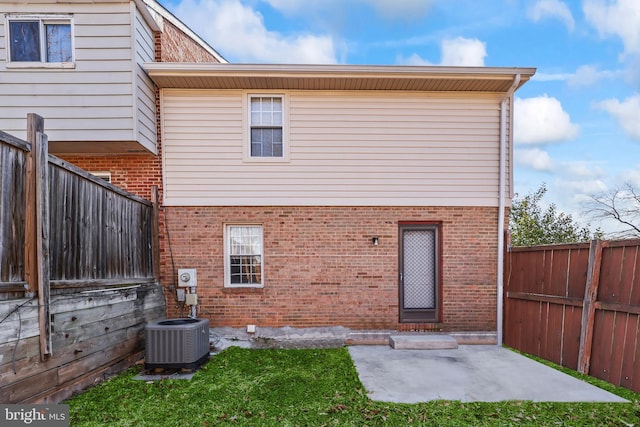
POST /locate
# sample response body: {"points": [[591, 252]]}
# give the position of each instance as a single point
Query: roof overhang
{"points": [[336, 77]]}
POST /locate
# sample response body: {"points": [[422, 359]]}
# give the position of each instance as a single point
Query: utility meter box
{"points": [[187, 277]]}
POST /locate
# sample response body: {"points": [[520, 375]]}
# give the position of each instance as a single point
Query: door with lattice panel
{"points": [[419, 273]]}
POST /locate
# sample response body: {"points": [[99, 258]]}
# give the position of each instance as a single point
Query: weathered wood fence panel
{"points": [[78, 274], [577, 305], [106, 232], [13, 178], [94, 334]]}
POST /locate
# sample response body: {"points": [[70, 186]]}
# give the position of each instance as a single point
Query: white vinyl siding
{"points": [[98, 100], [346, 149], [145, 89]]}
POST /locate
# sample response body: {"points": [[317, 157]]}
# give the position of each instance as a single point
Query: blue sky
{"points": [[577, 123]]}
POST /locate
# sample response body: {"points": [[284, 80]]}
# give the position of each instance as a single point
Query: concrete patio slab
{"points": [[471, 373], [422, 342]]}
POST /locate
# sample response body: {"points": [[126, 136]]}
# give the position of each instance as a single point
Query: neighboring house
{"points": [[360, 196], [79, 65]]}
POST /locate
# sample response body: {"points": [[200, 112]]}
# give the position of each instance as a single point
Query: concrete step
{"points": [[422, 342], [368, 338]]}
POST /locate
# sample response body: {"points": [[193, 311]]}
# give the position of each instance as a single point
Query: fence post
{"points": [[505, 288], [38, 240], [30, 234], [588, 307], [155, 233]]}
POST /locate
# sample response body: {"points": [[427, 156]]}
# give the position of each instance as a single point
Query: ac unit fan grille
{"points": [[176, 343]]}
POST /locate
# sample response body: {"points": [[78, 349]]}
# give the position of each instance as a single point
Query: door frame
{"points": [[420, 315]]}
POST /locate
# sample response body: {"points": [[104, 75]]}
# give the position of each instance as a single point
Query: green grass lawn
{"points": [[310, 388]]}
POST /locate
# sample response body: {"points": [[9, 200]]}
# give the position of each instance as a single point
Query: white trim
{"points": [[246, 127], [176, 200], [42, 18], [331, 70], [160, 10], [155, 24], [227, 266], [508, 99]]}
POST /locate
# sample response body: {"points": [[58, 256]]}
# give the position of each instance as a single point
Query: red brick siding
{"points": [[172, 45], [133, 173], [321, 268]]}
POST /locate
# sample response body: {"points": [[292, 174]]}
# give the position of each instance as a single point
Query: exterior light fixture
{"points": [[374, 240]]}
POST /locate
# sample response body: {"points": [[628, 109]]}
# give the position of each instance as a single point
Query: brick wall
{"points": [[133, 173], [321, 268], [172, 45]]}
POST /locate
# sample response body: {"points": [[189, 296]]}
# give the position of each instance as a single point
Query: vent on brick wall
{"points": [[102, 175], [176, 343], [420, 327]]}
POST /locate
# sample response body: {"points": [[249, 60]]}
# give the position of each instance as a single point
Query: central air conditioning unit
{"points": [[176, 343]]}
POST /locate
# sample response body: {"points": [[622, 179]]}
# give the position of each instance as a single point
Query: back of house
{"points": [[356, 196], [365, 197]]}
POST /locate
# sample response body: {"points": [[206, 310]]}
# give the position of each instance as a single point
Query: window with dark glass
{"points": [[40, 40], [244, 255], [266, 118]]}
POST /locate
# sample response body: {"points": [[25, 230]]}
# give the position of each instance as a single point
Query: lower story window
{"points": [[243, 255]]}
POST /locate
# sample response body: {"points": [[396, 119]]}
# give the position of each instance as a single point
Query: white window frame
{"points": [[246, 147], [42, 20], [102, 175], [227, 256]]}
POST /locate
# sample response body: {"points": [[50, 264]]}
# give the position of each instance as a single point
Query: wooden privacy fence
{"points": [[78, 272], [91, 232], [577, 305]]}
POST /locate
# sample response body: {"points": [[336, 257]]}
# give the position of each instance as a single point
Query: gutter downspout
{"points": [[501, 205]]}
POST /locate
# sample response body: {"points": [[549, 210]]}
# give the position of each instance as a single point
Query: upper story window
{"points": [[40, 40], [267, 127]]}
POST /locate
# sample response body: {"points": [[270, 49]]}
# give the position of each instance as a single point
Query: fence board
{"points": [[601, 350], [106, 233], [578, 265], [12, 209], [619, 338], [630, 267], [552, 335], [578, 307], [559, 273], [610, 273], [571, 337]]}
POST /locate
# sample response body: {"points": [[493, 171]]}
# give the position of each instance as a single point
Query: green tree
{"points": [[532, 225]]}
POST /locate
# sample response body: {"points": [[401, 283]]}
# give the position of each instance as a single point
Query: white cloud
{"points": [[542, 120], [575, 192], [401, 9], [619, 18], [454, 52], [534, 158], [583, 169], [414, 59], [240, 34], [627, 113], [463, 52], [587, 75], [551, 77], [388, 9], [632, 177], [552, 9]]}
